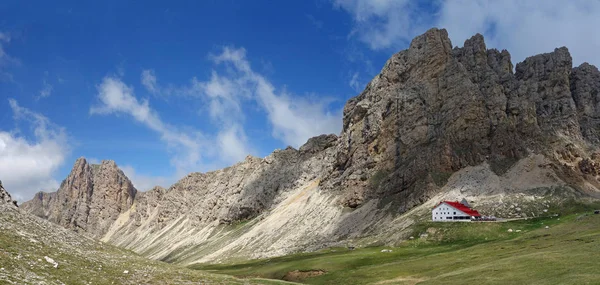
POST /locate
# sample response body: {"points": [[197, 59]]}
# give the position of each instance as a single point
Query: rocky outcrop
{"points": [[223, 197], [5, 197], [437, 123], [89, 200], [434, 110], [585, 88]]}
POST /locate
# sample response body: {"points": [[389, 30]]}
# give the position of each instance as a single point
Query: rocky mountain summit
{"points": [[5, 197], [89, 200], [438, 122]]}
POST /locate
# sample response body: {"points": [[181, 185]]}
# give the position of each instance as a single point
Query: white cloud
{"points": [[190, 149], [524, 28], [354, 84], [383, 24], [149, 80], [117, 98], [29, 164], [294, 119], [93, 160], [224, 97], [46, 89], [146, 182], [233, 143], [5, 58]]}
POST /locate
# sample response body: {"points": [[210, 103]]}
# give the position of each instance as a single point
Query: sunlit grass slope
{"points": [[567, 252]]}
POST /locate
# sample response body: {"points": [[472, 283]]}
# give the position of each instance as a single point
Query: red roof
{"points": [[457, 205]]}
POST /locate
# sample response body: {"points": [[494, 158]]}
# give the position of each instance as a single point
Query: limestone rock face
{"points": [[88, 200], [237, 193], [585, 88], [5, 197], [434, 110], [437, 123]]}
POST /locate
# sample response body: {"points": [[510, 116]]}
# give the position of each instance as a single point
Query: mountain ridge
{"points": [[437, 122]]}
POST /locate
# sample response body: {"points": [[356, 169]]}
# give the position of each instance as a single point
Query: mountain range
{"points": [[438, 123]]}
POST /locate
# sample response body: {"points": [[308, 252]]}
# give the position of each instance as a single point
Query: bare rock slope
{"points": [[36, 251], [438, 122]]}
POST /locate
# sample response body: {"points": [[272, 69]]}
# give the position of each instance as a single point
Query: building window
{"points": [[455, 213]]}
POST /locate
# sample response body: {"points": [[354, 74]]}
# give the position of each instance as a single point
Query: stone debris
{"points": [[51, 261], [386, 250]]}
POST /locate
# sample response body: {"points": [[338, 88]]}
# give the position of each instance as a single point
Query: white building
{"points": [[448, 211]]}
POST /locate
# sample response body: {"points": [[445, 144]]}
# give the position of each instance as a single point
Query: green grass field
{"points": [[455, 253]]}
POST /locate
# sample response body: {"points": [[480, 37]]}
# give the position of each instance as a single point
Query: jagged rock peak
{"points": [[433, 40], [585, 88], [5, 197], [108, 162], [319, 143], [89, 199], [437, 109], [541, 66]]}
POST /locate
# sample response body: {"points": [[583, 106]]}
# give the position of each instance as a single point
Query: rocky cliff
{"points": [[89, 200], [5, 197], [435, 109], [438, 122]]}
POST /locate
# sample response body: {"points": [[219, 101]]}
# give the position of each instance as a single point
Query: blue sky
{"points": [[165, 89]]}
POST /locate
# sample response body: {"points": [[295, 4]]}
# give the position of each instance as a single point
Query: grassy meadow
{"points": [[453, 253]]}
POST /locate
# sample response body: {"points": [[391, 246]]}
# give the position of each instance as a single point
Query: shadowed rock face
{"points": [[89, 200], [585, 88], [5, 197], [434, 110]]}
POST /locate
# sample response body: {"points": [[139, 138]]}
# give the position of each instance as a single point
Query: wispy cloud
{"points": [[524, 28], [317, 23], [146, 182], [47, 88], [383, 24], [117, 98], [294, 119], [354, 83], [149, 80], [29, 163], [190, 149], [5, 59]]}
